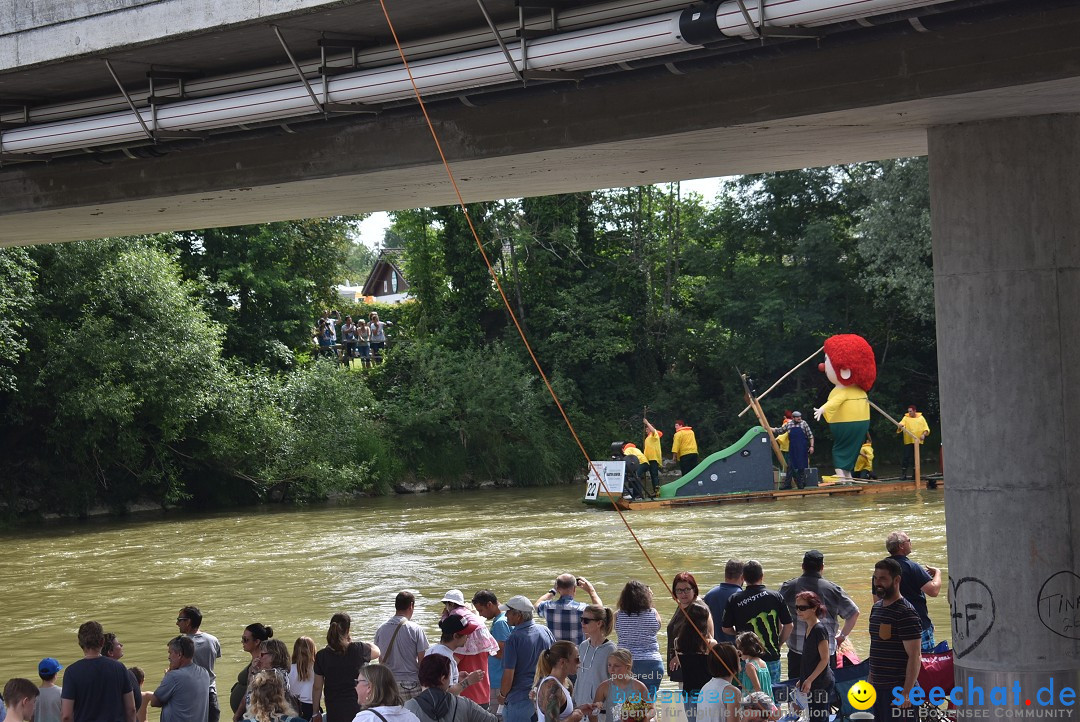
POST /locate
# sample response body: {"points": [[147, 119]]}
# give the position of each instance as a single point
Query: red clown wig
{"points": [[849, 351]]}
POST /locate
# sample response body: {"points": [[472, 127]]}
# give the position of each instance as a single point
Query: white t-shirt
{"points": [[301, 688], [712, 708], [449, 654]]}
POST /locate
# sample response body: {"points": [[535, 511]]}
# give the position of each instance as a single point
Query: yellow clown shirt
{"points": [[684, 442], [846, 403]]}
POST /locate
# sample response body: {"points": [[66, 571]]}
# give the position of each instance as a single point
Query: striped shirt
{"points": [[890, 625], [637, 633]]}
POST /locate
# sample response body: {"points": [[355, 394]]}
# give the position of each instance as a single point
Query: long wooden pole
{"points": [[916, 439], [801, 364]]}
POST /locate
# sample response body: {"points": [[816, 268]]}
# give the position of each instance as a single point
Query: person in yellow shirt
{"points": [[684, 447], [637, 484], [654, 454], [913, 426], [864, 465]]}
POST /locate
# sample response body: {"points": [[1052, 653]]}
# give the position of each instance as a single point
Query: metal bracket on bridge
{"points": [[526, 34], [21, 104], [180, 76], [501, 42], [153, 133], [762, 33], [324, 106]]}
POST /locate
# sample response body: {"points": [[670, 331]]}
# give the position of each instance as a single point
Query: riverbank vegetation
{"points": [[177, 368]]}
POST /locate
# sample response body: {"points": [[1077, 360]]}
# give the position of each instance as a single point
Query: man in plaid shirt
{"points": [[561, 612]]}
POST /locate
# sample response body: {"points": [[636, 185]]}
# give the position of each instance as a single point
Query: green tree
{"points": [[267, 284], [124, 360], [17, 276], [894, 234]]}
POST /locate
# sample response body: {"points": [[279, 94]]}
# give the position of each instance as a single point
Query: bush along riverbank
{"points": [[177, 369]]}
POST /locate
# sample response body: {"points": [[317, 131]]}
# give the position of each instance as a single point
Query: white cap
{"points": [[518, 604], [455, 596]]}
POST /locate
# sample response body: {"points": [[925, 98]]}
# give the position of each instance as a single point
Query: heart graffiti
{"points": [[972, 611]]}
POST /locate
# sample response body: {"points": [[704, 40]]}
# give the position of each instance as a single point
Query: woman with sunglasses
{"points": [[254, 634], [553, 670], [816, 679], [594, 650], [684, 590]]}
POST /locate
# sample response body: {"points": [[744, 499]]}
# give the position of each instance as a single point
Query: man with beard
{"points": [[895, 633]]}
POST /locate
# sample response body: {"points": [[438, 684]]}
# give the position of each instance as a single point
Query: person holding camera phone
{"points": [[561, 612]]}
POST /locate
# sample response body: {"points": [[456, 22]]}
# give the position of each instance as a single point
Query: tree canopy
{"points": [[179, 368]]}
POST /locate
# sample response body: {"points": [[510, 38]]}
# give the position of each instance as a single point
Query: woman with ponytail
{"points": [[553, 669], [596, 623], [337, 666]]}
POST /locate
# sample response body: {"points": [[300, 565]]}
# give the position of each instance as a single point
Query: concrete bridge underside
{"points": [[863, 95], [994, 100]]}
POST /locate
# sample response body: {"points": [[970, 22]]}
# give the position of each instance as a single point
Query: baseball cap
{"points": [[813, 556], [48, 666], [518, 604], [455, 596], [457, 624]]}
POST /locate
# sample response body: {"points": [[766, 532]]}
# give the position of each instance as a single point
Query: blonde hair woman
{"points": [[379, 697], [302, 673], [267, 702], [623, 695], [594, 650], [553, 669]]}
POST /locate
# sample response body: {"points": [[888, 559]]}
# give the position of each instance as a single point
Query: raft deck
{"points": [[826, 489]]}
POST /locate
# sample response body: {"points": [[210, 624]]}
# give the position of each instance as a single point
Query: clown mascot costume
{"points": [[850, 366]]}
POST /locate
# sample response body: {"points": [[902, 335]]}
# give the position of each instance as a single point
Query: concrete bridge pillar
{"points": [[1005, 201]]}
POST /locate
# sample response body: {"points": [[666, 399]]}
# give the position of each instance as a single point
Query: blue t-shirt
{"points": [[524, 646], [97, 686], [716, 599], [500, 630], [913, 579]]}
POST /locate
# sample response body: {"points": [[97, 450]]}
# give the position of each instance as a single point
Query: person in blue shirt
{"points": [[717, 597], [526, 643]]}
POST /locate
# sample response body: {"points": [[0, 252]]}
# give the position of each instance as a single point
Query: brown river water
{"points": [[293, 568]]}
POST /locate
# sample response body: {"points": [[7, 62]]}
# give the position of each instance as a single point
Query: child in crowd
{"points": [[754, 672], [621, 696], [47, 708], [20, 696]]}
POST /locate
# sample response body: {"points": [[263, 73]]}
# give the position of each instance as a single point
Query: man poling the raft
{"points": [[850, 366]]}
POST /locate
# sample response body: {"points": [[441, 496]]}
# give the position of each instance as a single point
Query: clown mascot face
{"points": [[849, 364]]}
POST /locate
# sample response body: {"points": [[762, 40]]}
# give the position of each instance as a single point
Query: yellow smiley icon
{"points": [[862, 695]]}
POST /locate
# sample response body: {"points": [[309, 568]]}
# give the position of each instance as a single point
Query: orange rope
{"points": [[513, 316]]}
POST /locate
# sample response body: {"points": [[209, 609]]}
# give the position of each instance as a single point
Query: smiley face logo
{"points": [[861, 695]]}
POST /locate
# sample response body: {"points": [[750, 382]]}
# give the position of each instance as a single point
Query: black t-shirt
{"points": [[339, 673], [890, 625], [811, 658], [98, 687], [762, 611]]}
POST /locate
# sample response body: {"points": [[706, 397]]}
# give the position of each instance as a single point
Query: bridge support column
{"points": [[1005, 201]]}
